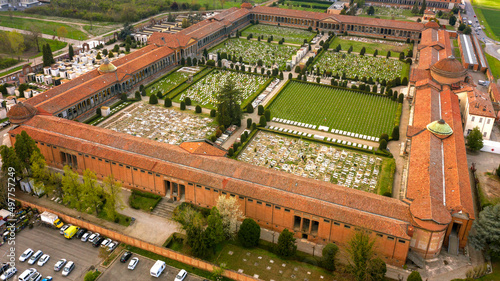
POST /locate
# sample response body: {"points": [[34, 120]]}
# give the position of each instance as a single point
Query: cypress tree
{"points": [[71, 52]]}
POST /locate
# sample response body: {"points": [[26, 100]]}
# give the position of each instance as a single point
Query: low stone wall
{"points": [[141, 244]]}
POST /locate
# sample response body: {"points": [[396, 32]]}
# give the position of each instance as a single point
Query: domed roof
{"points": [[440, 127], [106, 66], [448, 71], [21, 112]]}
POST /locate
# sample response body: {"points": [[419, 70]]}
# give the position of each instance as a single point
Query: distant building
{"points": [[4, 4], [477, 111], [337, 7], [28, 3], [438, 4]]}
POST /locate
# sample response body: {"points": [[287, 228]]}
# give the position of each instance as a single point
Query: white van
{"points": [[157, 268], [27, 274]]}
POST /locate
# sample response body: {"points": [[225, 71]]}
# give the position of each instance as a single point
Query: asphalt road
{"points": [[54, 244], [470, 15]]}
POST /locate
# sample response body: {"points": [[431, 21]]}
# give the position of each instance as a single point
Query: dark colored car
{"points": [[98, 241], [125, 256], [80, 233], [4, 268]]}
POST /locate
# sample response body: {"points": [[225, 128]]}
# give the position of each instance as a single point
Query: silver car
{"points": [[63, 228], [59, 264], [86, 236]]}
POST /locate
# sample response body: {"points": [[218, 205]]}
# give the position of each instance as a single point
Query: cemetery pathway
{"points": [[324, 134]]}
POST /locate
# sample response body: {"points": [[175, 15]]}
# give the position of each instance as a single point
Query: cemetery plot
{"points": [[291, 35], [361, 66], [272, 55], [313, 160], [341, 109], [370, 44], [204, 92], [173, 79], [161, 124]]}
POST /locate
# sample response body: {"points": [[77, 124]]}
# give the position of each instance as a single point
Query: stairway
{"points": [[453, 243], [416, 259], [165, 208]]}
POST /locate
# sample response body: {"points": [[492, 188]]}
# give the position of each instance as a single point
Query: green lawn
{"points": [[335, 108], [495, 276], [11, 71], [384, 184], [494, 65], [306, 6], [8, 62], [167, 83], [44, 26], [388, 13], [495, 4], [382, 48], [54, 46], [489, 18], [177, 90], [143, 200], [291, 35], [120, 218]]}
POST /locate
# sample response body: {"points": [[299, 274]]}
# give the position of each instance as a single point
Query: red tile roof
{"points": [[494, 90], [202, 148], [480, 104]]}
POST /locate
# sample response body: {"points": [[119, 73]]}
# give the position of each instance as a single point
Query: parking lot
{"points": [[54, 244], [119, 271]]}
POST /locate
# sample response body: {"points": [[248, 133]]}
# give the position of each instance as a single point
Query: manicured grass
{"points": [[495, 4], [55, 45], [335, 108], [384, 184], [292, 5], [143, 200], [494, 65], [44, 26], [122, 219], [177, 90], [383, 47], [291, 35], [11, 71], [489, 18], [167, 83], [495, 276]]}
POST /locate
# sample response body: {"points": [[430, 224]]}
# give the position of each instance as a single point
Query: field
{"points": [[45, 27], [494, 4], [362, 66], [315, 160], [489, 18], [291, 35], [306, 6], [170, 81], [382, 46], [494, 65], [340, 109], [251, 51], [205, 90]]}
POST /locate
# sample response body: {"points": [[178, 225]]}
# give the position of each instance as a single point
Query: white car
{"points": [[8, 273], [112, 246], [43, 260], [133, 263], [105, 242], [86, 236], [94, 237], [35, 257], [26, 255], [182, 274], [68, 268], [59, 264]]}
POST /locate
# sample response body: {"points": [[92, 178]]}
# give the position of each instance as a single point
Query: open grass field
{"points": [[489, 18], [335, 108], [45, 27], [494, 65], [370, 45], [495, 4], [292, 7], [291, 35], [306, 6]]}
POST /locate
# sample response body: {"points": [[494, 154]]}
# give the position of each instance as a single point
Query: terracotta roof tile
{"points": [[494, 92], [480, 104], [202, 148]]}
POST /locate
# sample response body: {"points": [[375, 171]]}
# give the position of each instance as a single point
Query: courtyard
{"points": [[354, 65], [371, 44], [314, 160], [204, 92], [291, 35], [335, 108], [160, 124], [272, 55], [172, 80]]}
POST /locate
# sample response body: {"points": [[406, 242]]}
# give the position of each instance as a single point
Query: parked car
{"points": [[43, 260], [68, 268], [25, 276], [63, 228], [4, 267], [35, 257], [93, 237], [26, 255], [8, 273], [105, 242], [59, 264], [48, 278], [133, 263], [37, 276], [86, 236], [181, 276], [125, 256], [112, 246], [80, 233], [98, 241]]}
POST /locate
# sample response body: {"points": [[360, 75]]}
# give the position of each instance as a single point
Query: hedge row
{"points": [[243, 145]]}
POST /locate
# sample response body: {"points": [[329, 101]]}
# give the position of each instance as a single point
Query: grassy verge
{"points": [[55, 45], [143, 200], [493, 63], [120, 218], [484, 199], [183, 86], [384, 184], [11, 71], [495, 276], [489, 18], [45, 27]]}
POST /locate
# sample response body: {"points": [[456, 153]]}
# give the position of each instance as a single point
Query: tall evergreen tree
{"points": [[422, 9], [71, 52], [487, 229], [228, 104]]}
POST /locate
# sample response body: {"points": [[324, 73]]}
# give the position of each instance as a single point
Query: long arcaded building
{"points": [[437, 204]]}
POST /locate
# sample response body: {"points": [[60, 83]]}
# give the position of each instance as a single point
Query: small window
{"points": [[277, 207], [150, 173], [142, 171], [224, 193], [232, 195], [480, 120], [207, 188], [107, 161], [198, 186], [135, 169], [80, 154], [157, 175], [484, 134], [488, 121], [390, 238], [347, 226], [472, 118], [86, 156], [268, 205], [380, 235], [215, 190], [336, 223], [36, 142], [114, 163], [93, 157], [41, 143], [287, 210], [190, 183], [401, 241], [128, 167], [100, 159], [241, 197], [250, 200], [327, 221], [258, 202], [121, 165]]}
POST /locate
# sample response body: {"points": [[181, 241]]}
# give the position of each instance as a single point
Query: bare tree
{"points": [[35, 34]]}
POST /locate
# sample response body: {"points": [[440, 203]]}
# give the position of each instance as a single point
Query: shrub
{"points": [[236, 145], [168, 102], [98, 111], [183, 105], [290, 75], [230, 152], [414, 276], [286, 244], [137, 95], [187, 100], [384, 137], [197, 109], [383, 144], [212, 113], [249, 233], [153, 99], [249, 123], [262, 121], [267, 114], [243, 138], [318, 79], [260, 109], [159, 94], [328, 259], [395, 133], [249, 108], [401, 98], [124, 97]]}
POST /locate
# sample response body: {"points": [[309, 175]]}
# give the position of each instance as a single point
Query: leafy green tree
{"points": [[71, 188], [395, 133], [71, 52], [48, 59], [388, 54], [38, 166], [249, 233], [423, 7], [188, 101], [183, 105], [414, 276], [462, 27], [363, 51], [452, 20], [370, 11], [329, 258], [487, 228], [249, 123], [376, 269], [360, 252], [467, 30], [92, 192], [10, 161], [286, 244], [25, 146], [197, 109], [267, 114], [263, 121], [215, 230], [475, 139], [112, 194], [228, 104]]}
